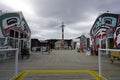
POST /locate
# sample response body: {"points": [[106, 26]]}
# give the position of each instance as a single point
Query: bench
{"points": [[115, 55]]}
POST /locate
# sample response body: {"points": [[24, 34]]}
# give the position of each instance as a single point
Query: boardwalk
{"points": [[61, 60]]}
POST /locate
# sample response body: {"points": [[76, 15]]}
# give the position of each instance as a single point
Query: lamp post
{"points": [[62, 25]]}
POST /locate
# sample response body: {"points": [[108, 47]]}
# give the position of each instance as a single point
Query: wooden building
{"points": [[105, 32], [14, 31]]}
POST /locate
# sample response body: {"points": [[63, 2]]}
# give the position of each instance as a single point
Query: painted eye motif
{"points": [[108, 21], [11, 21]]}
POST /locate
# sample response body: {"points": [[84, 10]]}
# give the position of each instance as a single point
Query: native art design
{"points": [[13, 21], [106, 25], [13, 25]]}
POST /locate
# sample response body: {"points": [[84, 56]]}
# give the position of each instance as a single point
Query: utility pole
{"points": [[62, 25]]}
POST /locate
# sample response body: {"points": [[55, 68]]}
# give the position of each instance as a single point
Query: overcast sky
{"points": [[44, 17]]}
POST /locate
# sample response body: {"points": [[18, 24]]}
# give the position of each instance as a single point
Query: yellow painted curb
{"points": [[22, 74]]}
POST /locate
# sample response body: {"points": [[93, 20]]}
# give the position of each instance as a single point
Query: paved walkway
{"points": [[61, 60]]}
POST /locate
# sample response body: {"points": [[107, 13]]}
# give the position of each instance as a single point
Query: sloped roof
{"points": [[86, 35]]}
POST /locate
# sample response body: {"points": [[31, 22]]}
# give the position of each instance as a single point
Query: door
{"points": [[110, 43]]}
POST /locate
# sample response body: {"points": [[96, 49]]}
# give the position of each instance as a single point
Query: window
{"points": [[11, 33], [21, 35], [16, 34]]}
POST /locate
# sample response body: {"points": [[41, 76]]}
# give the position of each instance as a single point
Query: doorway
{"points": [[110, 43]]}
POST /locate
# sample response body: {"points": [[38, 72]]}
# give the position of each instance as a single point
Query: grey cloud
{"points": [[69, 11], [109, 5], [5, 8], [50, 13]]}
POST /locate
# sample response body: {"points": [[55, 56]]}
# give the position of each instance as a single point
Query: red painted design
{"points": [[6, 30], [115, 41], [104, 35]]}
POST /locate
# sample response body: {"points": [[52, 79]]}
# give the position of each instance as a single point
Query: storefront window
{"points": [[109, 33], [21, 35], [11, 33], [103, 43], [16, 43], [16, 34], [11, 42], [97, 40]]}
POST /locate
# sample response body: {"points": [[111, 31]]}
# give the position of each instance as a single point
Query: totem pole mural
{"points": [[106, 26], [13, 27]]}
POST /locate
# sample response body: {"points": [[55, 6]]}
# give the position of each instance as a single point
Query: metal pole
{"points": [[16, 63], [16, 57], [99, 59], [99, 63], [29, 45], [106, 45]]}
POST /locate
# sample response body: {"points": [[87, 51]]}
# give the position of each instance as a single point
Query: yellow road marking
{"points": [[111, 70], [22, 74]]}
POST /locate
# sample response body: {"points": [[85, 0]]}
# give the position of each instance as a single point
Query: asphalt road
{"points": [[61, 60]]}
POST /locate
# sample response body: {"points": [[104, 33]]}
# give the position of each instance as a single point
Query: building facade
{"points": [[58, 45], [14, 31], [105, 32]]}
